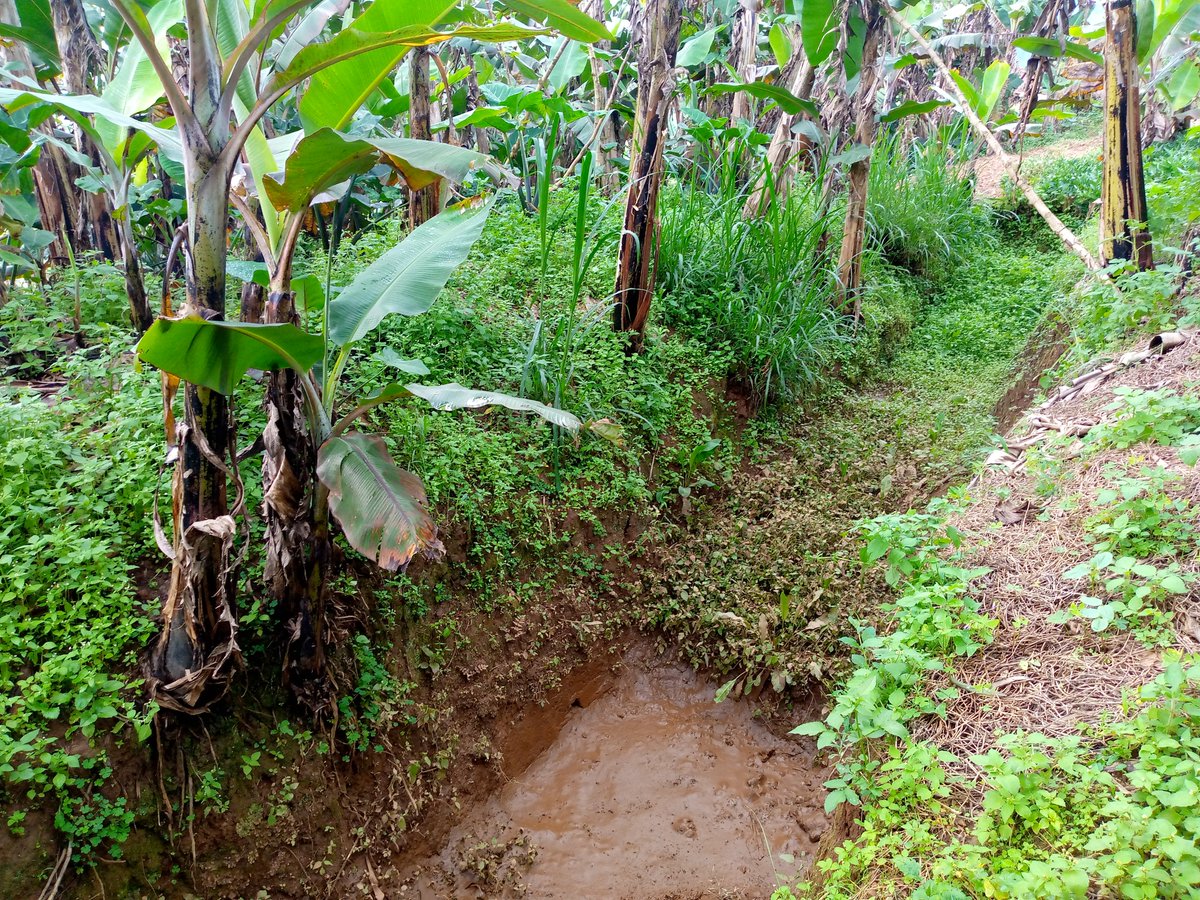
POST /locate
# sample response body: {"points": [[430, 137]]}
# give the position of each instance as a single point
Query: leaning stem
{"points": [[333, 376], [318, 419], [136, 20]]}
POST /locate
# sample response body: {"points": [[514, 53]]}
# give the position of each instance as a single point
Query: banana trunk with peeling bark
{"points": [[1124, 234], [784, 148], [658, 43], [606, 136], [298, 547], [189, 666], [423, 205], [855, 231], [742, 56]]}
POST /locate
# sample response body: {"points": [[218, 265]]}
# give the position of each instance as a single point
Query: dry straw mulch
{"points": [[1037, 676]]}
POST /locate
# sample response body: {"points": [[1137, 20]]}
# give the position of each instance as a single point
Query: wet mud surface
{"points": [[650, 790]]}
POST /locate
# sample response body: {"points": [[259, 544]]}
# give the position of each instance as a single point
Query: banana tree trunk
{"points": [[658, 43], [53, 175], [854, 233], [82, 56], [743, 53], [784, 147], [189, 666], [135, 284], [605, 155], [1124, 233], [422, 204], [298, 550], [475, 135], [58, 205]]}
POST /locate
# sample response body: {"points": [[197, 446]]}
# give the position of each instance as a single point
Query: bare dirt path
{"points": [[989, 173]]}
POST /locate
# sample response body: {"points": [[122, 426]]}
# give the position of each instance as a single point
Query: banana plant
{"points": [[295, 565], [381, 509], [226, 65], [297, 545]]}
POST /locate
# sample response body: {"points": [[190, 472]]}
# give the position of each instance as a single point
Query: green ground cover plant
{"points": [[76, 510]]}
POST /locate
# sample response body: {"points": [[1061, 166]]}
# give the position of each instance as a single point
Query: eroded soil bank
{"points": [[650, 790]]}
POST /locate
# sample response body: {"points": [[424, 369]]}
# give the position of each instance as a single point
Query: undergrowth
{"points": [[76, 484], [740, 593], [921, 213], [757, 291], [1103, 810], [1058, 817], [1071, 186]]}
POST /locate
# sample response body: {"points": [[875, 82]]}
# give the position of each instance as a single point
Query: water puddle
{"points": [[650, 790]]}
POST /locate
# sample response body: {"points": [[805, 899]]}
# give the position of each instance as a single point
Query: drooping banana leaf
{"points": [[381, 507], [563, 16], [455, 396], [786, 100], [79, 107], [327, 157]]}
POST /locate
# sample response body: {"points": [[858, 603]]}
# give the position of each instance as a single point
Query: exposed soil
{"points": [[651, 790], [989, 172]]}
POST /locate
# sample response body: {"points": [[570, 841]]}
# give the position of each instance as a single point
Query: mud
{"points": [[649, 790]]}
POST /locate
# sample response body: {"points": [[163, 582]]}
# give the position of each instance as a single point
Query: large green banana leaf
{"points": [[408, 278]]}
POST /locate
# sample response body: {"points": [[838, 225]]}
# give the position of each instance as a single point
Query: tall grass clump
{"points": [[759, 289], [921, 213]]}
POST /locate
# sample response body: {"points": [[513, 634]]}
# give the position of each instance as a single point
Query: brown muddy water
{"points": [[650, 790]]}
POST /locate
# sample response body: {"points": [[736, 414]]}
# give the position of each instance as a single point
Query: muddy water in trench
{"points": [[649, 791]]}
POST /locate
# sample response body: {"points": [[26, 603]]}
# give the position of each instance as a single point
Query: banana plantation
{"points": [[633, 449]]}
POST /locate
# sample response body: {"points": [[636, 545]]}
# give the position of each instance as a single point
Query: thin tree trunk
{"points": [[606, 139], [1052, 221], [475, 132], [658, 42], [451, 135], [855, 231], [784, 147], [81, 56], [1124, 233], [135, 284], [743, 53], [53, 175], [422, 204]]}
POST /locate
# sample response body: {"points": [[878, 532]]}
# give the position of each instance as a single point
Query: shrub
{"points": [[1069, 186]]}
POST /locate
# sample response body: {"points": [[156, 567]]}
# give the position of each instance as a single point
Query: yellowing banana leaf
{"points": [[381, 507]]}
